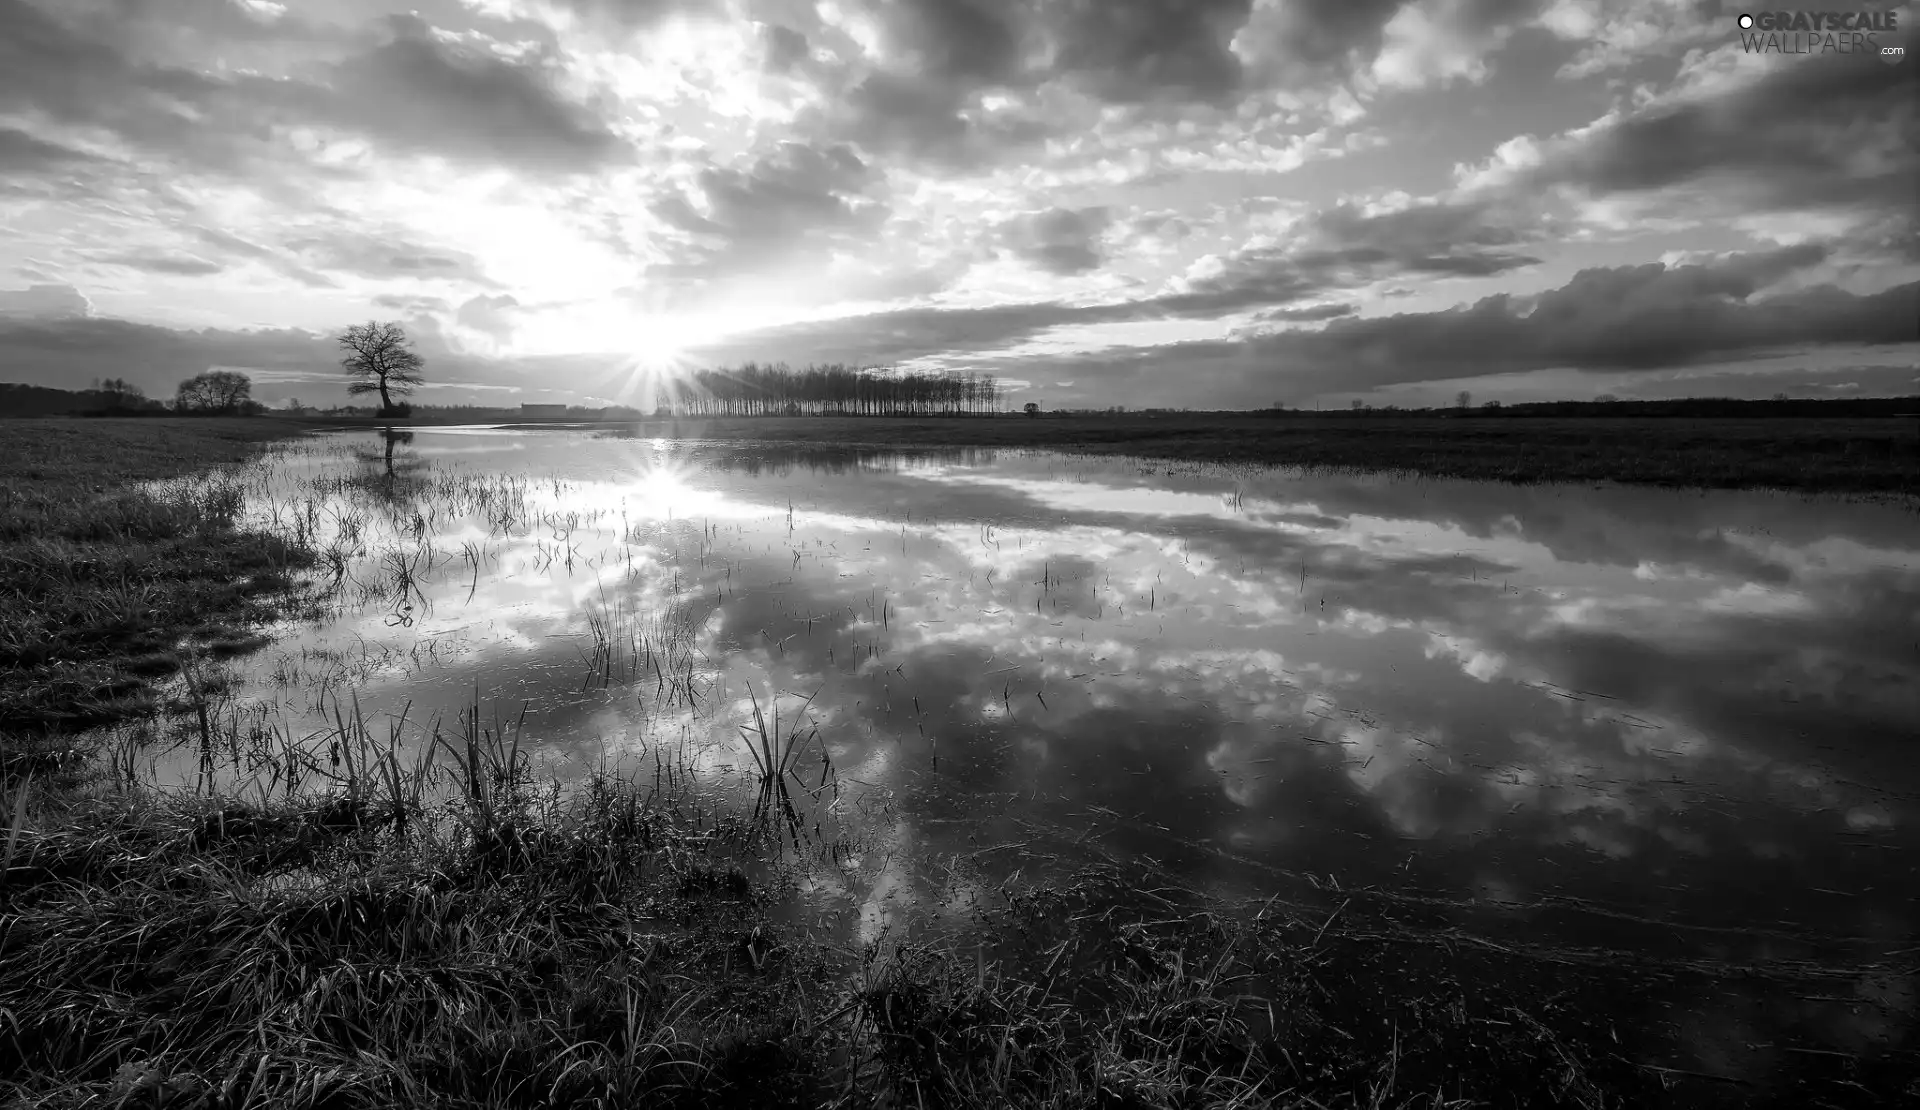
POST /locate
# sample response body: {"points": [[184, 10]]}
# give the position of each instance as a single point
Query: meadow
{"points": [[419, 904], [1836, 455]]}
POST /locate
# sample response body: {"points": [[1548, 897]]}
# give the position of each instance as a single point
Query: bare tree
{"points": [[1031, 409], [380, 361], [1607, 398], [221, 391], [1358, 404], [1463, 399]]}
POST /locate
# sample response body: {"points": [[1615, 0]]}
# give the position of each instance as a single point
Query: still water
{"points": [[1679, 724]]}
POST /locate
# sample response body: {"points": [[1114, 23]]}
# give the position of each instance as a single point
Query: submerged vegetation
{"points": [[445, 930], [421, 912]]}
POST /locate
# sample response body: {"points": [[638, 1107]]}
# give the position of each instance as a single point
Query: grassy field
{"points": [[376, 930], [103, 585], [1829, 455]]}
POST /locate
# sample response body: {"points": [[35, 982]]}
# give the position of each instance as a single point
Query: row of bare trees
{"points": [[764, 390]]}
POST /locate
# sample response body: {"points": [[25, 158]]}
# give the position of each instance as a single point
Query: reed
{"points": [[776, 755]]}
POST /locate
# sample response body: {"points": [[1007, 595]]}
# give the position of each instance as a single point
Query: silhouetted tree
{"points": [[1607, 398], [1462, 399], [380, 361], [119, 393], [221, 391], [1031, 409]]}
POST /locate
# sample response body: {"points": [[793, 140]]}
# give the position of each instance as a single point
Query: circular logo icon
{"points": [[1746, 23]]}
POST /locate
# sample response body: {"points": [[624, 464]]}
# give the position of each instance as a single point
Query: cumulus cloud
{"points": [[1060, 241], [411, 92], [735, 221], [1614, 34], [48, 302], [785, 48], [1438, 41], [419, 93], [491, 316], [1806, 135], [1309, 41], [1126, 50]]}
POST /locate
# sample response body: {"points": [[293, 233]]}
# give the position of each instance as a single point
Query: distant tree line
{"points": [[838, 390], [1608, 405]]}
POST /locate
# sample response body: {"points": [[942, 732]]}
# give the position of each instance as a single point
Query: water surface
{"points": [[1678, 725]]}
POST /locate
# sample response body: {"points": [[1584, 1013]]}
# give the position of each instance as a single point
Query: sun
{"points": [[660, 487], [654, 354]]}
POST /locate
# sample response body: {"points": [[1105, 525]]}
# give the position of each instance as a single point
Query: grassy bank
{"points": [[1850, 455], [365, 945], [102, 585], [366, 923]]}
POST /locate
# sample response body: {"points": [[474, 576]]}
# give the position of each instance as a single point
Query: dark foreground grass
{"points": [[102, 585], [1837, 455], [625, 949]]}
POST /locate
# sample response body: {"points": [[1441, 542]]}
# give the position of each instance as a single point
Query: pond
{"points": [[1608, 723]]}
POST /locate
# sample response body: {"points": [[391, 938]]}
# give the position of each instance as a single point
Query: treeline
{"points": [[836, 390], [1714, 406], [1678, 406]]}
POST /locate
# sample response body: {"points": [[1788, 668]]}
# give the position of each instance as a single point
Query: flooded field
{"points": [[1662, 735]]}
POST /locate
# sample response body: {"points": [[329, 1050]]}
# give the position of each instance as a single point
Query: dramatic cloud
{"points": [[413, 93], [1141, 49], [1622, 318], [44, 302], [420, 94], [1345, 246], [1612, 319], [387, 255], [1059, 240], [1831, 133], [1139, 201], [735, 221]]}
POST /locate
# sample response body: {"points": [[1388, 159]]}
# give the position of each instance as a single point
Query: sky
{"points": [[1178, 203]]}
